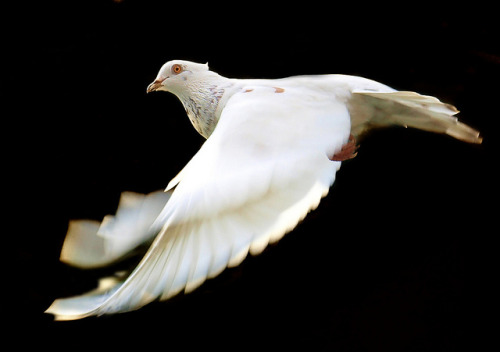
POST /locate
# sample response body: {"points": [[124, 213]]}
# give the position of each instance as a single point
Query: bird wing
{"points": [[265, 166], [90, 244]]}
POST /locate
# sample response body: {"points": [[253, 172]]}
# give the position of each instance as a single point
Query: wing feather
{"points": [[202, 249], [90, 244]]}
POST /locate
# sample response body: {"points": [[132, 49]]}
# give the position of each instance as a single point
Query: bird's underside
{"points": [[268, 160]]}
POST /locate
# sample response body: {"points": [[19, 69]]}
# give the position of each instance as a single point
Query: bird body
{"points": [[207, 93], [272, 150]]}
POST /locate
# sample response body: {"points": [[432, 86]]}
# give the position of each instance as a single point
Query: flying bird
{"points": [[272, 151]]}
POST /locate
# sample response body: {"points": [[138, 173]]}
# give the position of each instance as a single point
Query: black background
{"points": [[396, 258]]}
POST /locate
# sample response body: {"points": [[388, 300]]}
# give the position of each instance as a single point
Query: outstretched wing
{"points": [[265, 166]]}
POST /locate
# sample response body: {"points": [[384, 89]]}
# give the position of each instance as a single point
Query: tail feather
{"points": [[408, 109]]}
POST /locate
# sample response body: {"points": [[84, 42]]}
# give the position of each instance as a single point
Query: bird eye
{"points": [[176, 69]]}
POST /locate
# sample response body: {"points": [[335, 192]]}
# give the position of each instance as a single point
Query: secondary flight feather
{"points": [[272, 150]]}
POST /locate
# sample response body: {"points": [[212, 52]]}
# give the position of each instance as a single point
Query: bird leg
{"points": [[348, 150]]}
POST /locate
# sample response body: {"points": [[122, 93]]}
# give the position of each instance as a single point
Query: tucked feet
{"points": [[347, 152]]}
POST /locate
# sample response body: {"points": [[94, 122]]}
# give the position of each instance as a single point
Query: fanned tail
{"points": [[408, 109]]}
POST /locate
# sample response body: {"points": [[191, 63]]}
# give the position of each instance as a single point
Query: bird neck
{"points": [[202, 102]]}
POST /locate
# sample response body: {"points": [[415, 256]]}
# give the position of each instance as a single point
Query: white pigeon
{"points": [[272, 150]]}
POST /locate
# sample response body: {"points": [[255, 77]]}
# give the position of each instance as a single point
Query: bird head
{"points": [[176, 75]]}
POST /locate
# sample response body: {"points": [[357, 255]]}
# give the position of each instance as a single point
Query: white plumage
{"points": [[268, 160]]}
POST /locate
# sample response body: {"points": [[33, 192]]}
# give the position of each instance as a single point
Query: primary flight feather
{"points": [[272, 150]]}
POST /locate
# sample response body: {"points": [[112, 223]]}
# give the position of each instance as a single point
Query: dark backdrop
{"points": [[396, 258]]}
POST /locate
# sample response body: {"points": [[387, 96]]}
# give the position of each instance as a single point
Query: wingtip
{"points": [[56, 310]]}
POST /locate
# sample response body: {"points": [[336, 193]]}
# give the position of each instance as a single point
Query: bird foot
{"points": [[348, 150]]}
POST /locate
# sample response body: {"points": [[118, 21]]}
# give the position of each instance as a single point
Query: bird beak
{"points": [[157, 84]]}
